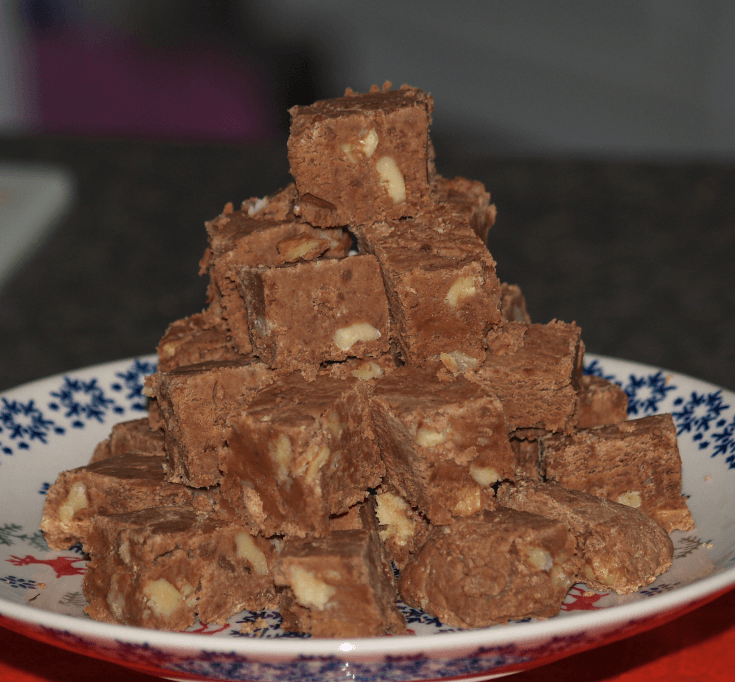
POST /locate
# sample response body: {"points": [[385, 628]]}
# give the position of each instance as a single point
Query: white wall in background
{"points": [[627, 77]]}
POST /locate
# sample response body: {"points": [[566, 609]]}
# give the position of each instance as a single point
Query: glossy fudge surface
{"points": [[361, 157]]}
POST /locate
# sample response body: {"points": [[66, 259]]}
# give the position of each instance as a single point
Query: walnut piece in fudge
{"points": [[622, 548], [341, 585], [491, 568], [634, 462], [537, 384], [600, 402], [444, 443], [114, 485], [403, 529], [135, 435], [304, 314], [362, 157], [159, 568], [237, 240], [301, 452], [440, 279], [195, 402]]}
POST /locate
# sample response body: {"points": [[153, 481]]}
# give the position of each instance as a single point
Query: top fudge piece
{"points": [[468, 198], [361, 157]]}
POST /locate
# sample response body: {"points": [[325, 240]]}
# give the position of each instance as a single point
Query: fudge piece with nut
{"points": [[491, 568], [468, 198], [303, 314], [114, 485], [442, 288], [195, 402], [600, 402], [633, 462], [160, 568], [622, 548], [135, 435], [537, 383], [238, 240], [402, 528], [444, 444], [301, 452], [340, 585], [362, 157]]}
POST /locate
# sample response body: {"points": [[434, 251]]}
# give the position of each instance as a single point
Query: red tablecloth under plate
{"points": [[698, 647]]}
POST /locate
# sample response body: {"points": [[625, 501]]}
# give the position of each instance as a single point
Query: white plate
{"points": [[54, 424]]}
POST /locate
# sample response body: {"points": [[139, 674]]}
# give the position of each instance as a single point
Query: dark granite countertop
{"points": [[640, 255]]}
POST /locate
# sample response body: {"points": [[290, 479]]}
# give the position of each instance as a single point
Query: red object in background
{"points": [[698, 647], [114, 86]]}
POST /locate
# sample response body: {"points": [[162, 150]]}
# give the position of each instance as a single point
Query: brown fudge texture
{"points": [[537, 384], [633, 462], [195, 402], [444, 444], [403, 529], [527, 457], [340, 585], [622, 548], [513, 304], [277, 206], [159, 568], [440, 279], [304, 314], [301, 452], [468, 198], [113, 485], [361, 157], [189, 341], [135, 435], [491, 568], [364, 369], [600, 402], [237, 240]]}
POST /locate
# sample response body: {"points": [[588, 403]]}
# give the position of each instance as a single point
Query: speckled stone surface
{"points": [[640, 255]]}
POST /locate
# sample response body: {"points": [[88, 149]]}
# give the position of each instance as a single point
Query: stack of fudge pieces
{"points": [[361, 393]]}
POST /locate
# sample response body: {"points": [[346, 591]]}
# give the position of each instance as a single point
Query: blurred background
{"points": [[633, 78]]}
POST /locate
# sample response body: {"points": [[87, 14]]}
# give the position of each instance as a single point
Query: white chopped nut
{"points": [[257, 207], [168, 349], [164, 598], [369, 142], [347, 148], [247, 549], [463, 288], [369, 370], [632, 498], [309, 591], [484, 476], [469, 503], [457, 361], [124, 552], [346, 337], [319, 460], [302, 247], [430, 438], [393, 513], [281, 455], [75, 500], [392, 178], [540, 558]]}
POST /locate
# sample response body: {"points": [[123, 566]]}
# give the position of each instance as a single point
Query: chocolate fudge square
{"points": [[633, 462], [537, 384], [362, 157], [304, 314], [277, 206], [190, 341], [469, 199], [341, 585], [440, 279], [622, 548], [302, 451], [403, 529], [195, 402], [600, 402], [491, 568], [238, 240], [161, 567], [134, 435], [444, 444], [114, 485]]}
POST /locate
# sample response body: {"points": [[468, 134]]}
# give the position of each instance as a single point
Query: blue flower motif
{"points": [[724, 442], [594, 368], [24, 423], [646, 392], [696, 415], [132, 379], [83, 400], [23, 583]]}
